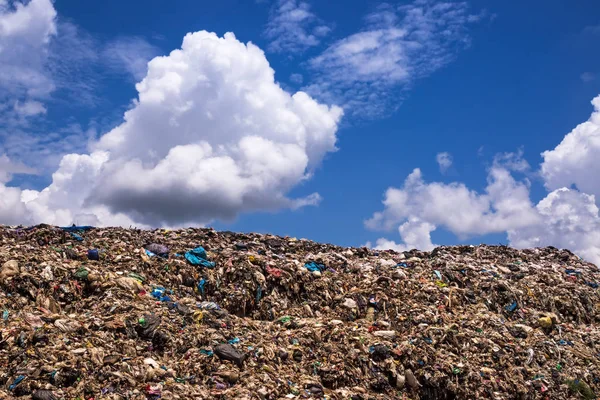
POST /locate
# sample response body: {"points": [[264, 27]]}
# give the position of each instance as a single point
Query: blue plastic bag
{"points": [[512, 307], [16, 382], [201, 285], [160, 294], [258, 294], [313, 266], [76, 228], [198, 256], [77, 237], [207, 352], [93, 255]]}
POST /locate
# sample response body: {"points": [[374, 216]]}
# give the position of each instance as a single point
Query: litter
{"points": [[93, 255], [251, 316], [314, 267], [158, 249], [159, 293], [198, 256], [77, 237]]}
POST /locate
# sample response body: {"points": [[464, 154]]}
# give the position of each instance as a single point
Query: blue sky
{"points": [[488, 84]]}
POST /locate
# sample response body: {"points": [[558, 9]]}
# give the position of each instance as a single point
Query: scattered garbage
{"points": [[512, 307], [133, 314], [77, 237], [42, 394], [159, 249], [160, 294], [198, 256], [229, 353], [545, 322], [93, 255], [314, 267], [16, 382]]}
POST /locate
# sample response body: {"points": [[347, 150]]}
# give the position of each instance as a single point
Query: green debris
{"points": [[82, 274], [137, 277], [582, 388]]}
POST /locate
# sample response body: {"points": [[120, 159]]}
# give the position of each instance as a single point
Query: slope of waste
{"points": [[94, 313]]}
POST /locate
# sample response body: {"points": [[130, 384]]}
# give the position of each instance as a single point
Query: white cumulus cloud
{"points": [[41, 62], [566, 218], [211, 135], [415, 234], [25, 32], [505, 204], [576, 160], [569, 219]]}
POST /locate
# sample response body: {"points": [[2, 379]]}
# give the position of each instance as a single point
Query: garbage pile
{"points": [[91, 313]]}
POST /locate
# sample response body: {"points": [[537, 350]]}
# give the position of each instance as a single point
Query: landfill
{"points": [[114, 313]]}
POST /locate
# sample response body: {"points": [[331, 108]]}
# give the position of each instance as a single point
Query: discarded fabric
{"points": [[76, 237], [313, 266], [198, 256]]}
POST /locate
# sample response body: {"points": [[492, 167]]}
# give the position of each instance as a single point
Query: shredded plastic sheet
{"points": [[198, 256]]}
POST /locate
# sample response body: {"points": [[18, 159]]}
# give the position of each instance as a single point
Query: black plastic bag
{"points": [[147, 326], [43, 395], [229, 353]]}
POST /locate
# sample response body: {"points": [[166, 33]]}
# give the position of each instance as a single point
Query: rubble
{"points": [[94, 313]]}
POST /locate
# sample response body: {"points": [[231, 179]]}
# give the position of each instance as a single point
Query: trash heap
{"points": [[91, 313]]}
